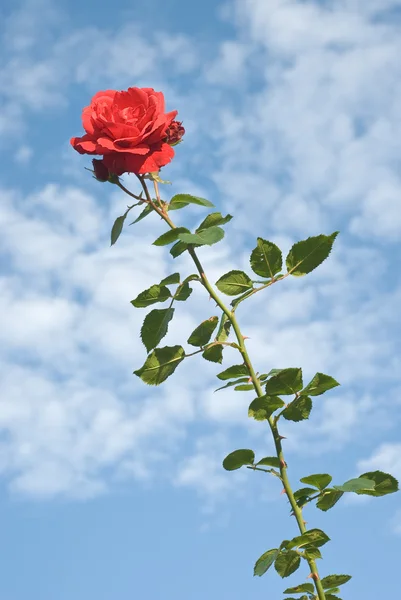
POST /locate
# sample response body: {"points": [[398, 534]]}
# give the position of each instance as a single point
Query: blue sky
{"points": [[111, 489]]}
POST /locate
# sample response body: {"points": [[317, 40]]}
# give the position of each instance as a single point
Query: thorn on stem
{"points": [[282, 437], [283, 463]]}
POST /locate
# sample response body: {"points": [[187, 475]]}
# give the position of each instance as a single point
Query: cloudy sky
{"points": [[109, 488]]}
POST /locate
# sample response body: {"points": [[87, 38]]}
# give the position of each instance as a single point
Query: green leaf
{"points": [[214, 354], [234, 283], [146, 211], [171, 279], [299, 589], [312, 552], [213, 220], [269, 461], [287, 563], [178, 249], [160, 364], [264, 562], [334, 590], [331, 597], [319, 480], [206, 237], [319, 384], [233, 371], [183, 292], [244, 387], [305, 256], [328, 499], [313, 537], [384, 483], [156, 293], [262, 408], [202, 334], [266, 259], [117, 229], [232, 383], [303, 494], [224, 328], [298, 410], [181, 200], [355, 485], [287, 381], [155, 326], [170, 236], [334, 581], [238, 458]]}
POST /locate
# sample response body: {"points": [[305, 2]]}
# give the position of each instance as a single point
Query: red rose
{"points": [[100, 170], [129, 129], [175, 133]]}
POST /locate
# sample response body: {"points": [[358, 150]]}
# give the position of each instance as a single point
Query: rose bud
{"points": [[174, 133], [100, 170]]}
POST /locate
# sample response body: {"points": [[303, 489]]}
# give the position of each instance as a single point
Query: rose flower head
{"points": [[129, 129]]}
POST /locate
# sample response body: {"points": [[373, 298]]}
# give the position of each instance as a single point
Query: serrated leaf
{"points": [[318, 480], [206, 237], [117, 229], [160, 364], [214, 354], [329, 499], [331, 597], [262, 408], [319, 384], [182, 200], [308, 254], [156, 293], [171, 279], [146, 211], [183, 292], [312, 553], [234, 283], [213, 220], [155, 327], [232, 383], [238, 458], [266, 259], [334, 581], [269, 461], [355, 485], [313, 537], [287, 563], [298, 410], [334, 590], [178, 249], [233, 371], [172, 235], [201, 335], [285, 382], [264, 562], [299, 589], [384, 483]]}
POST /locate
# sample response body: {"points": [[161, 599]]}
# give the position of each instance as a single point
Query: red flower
{"points": [[100, 170], [129, 129], [175, 133]]}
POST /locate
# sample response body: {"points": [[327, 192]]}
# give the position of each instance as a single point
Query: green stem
{"points": [[256, 383]]}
